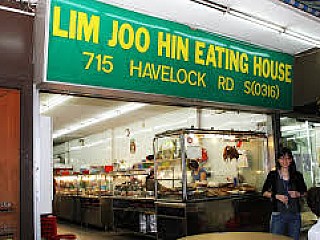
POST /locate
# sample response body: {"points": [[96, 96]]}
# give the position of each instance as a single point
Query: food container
{"points": [[108, 168]]}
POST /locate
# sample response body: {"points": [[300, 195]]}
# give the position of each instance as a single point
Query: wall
{"points": [[114, 145], [306, 86], [15, 45], [16, 72]]}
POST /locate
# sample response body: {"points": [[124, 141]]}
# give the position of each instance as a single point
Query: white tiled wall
{"points": [[114, 145]]}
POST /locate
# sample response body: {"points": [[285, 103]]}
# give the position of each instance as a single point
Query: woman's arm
{"points": [[267, 186], [301, 187], [202, 180], [271, 195], [267, 194], [203, 176]]}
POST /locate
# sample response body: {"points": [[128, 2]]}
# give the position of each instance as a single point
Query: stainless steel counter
{"points": [[173, 219]]}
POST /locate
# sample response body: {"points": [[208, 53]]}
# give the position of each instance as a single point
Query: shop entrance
{"points": [[10, 164], [103, 153]]}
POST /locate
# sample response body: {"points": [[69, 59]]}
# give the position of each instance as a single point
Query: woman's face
{"points": [[285, 161]]}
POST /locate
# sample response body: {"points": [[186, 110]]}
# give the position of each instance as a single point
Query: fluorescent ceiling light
{"points": [[99, 118], [302, 37], [258, 21], [292, 128], [9, 9], [87, 145], [54, 102]]}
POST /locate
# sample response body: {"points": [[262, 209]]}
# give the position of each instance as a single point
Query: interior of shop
{"points": [[303, 137], [105, 149]]}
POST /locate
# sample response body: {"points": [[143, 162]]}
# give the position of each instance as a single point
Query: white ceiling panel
{"points": [[211, 20], [79, 109]]}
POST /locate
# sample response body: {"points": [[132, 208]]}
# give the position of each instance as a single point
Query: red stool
{"points": [[48, 226], [64, 237]]}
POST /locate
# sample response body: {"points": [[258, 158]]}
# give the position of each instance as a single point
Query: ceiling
{"points": [[201, 16], [79, 109], [300, 16]]}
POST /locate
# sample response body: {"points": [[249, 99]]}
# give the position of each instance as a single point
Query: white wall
{"points": [[42, 165], [46, 166], [113, 145]]}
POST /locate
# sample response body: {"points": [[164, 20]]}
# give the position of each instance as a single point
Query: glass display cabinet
{"points": [[84, 185], [66, 185], [95, 185], [235, 162], [118, 183], [130, 183]]}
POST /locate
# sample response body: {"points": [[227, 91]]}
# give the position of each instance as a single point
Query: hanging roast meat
{"points": [[230, 152]]}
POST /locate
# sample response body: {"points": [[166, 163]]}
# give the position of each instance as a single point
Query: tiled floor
{"points": [[84, 233]]}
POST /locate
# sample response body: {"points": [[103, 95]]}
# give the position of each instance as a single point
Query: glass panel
{"points": [[317, 154], [225, 163], [300, 137], [10, 164], [169, 168]]}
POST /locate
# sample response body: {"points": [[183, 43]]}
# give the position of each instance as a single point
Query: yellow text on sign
{"points": [[140, 38], [257, 89], [167, 73], [80, 26], [103, 62], [225, 83], [173, 46], [264, 67]]}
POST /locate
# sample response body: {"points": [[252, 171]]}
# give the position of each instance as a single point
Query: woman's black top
{"points": [[276, 185]]}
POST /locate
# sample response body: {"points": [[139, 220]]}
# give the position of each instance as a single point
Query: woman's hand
{"points": [[294, 194], [282, 198]]}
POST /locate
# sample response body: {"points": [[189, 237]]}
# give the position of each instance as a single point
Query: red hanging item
{"points": [[204, 155]]}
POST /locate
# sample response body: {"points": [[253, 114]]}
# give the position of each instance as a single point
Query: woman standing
{"points": [[284, 186], [199, 174]]}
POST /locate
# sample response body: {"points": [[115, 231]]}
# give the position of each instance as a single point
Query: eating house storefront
{"points": [[92, 49]]}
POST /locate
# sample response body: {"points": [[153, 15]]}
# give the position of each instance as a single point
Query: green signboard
{"points": [[95, 44]]}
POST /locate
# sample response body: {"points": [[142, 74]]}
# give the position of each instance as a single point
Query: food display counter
{"points": [[235, 163], [89, 199], [135, 214]]}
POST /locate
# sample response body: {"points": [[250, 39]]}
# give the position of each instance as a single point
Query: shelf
{"points": [[168, 160], [7, 211], [7, 233], [169, 179], [171, 168], [170, 217]]}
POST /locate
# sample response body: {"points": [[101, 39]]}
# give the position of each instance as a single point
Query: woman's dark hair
{"points": [[292, 168], [150, 157], [193, 164], [313, 200]]}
